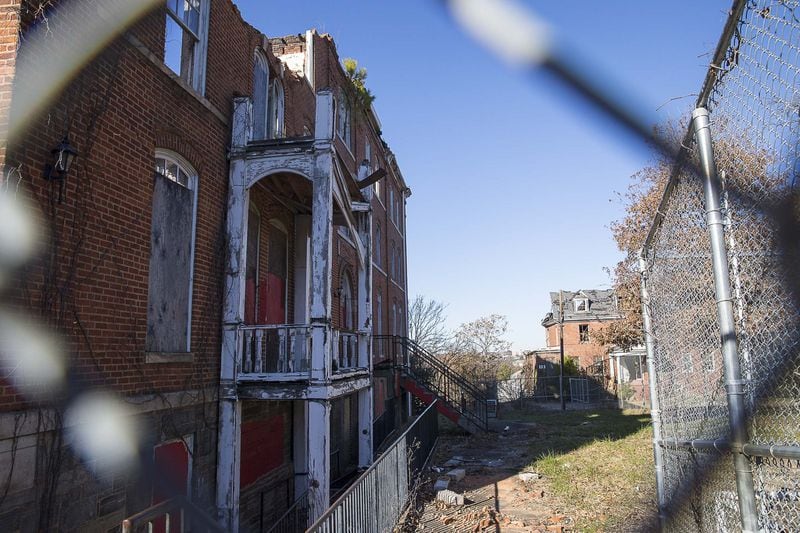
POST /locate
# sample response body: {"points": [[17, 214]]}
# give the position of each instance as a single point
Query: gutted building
{"points": [[582, 313], [219, 255]]}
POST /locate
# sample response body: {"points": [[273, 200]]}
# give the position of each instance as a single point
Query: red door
{"points": [[171, 461], [273, 291], [251, 266]]}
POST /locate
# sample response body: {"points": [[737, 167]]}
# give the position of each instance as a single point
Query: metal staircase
{"points": [[428, 378]]}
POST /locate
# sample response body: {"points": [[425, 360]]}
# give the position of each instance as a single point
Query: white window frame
{"points": [[199, 55], [577, 303], [379, 321], [378, 243], [344, 121], [275, 110], [192, 185], [260, 62]]}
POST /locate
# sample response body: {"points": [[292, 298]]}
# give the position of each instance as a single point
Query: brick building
{"points": [[584, 312], [228, 239]]}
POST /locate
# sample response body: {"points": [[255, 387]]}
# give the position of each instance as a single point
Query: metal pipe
{"points": [[655, 412], [734, 385], [722, 445], [561, 349]]}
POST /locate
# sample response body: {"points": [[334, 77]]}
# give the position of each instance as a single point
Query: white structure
{"points": [[307, 361]]}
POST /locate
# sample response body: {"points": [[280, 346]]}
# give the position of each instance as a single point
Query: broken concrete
{"points": [[456, 474], [441, 484], [449, 497], [527, 477]]}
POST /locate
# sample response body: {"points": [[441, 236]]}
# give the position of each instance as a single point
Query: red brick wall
{"points": [[93, 285], [585, 352]]}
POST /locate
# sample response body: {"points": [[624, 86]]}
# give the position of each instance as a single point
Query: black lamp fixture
{"points": [[63, 156]]}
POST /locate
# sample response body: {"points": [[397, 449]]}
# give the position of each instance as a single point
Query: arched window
{"points": [[346, 303], [392, 260], [394, 318], [172, 235], [379, 316], [275, 111], [343, 120], [260, 96], [378, 243]]}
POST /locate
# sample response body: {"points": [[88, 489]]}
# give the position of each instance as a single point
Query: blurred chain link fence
{"points": [[728, 413]]}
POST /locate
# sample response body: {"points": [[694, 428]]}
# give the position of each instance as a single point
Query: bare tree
{"points": [[426, 327], [479, 346]]}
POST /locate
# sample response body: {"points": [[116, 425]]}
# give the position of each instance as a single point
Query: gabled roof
{"points": [[602, 306]]}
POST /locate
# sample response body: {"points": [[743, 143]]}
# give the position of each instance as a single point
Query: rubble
{"points": [[449, 497], [441, 484], [456, 474]]}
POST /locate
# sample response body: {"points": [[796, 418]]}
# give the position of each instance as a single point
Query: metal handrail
{"points": [[479, 415], [320, 522], [281, 525]]}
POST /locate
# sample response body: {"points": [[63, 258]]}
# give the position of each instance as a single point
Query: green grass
{"points": [[598, 464]]}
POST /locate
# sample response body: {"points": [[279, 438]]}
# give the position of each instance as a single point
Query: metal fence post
{"points": [[734, 385], [655, 410]]}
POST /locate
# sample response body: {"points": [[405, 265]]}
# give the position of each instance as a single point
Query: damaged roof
{"points": [[602, 305]]}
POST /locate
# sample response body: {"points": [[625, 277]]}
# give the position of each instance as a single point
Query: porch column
{"points": [[319, 411], [300, 447], [319, 452], [365, 399], [321, 240], [230, 409]]}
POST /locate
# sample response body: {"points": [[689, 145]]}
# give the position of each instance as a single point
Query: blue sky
{"points": [[513, 180]]}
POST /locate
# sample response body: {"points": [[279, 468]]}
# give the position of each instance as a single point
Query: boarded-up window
{"points": [[171, 257]]}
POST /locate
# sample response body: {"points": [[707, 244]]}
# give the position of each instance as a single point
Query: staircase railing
{"points": [[456, 391]]}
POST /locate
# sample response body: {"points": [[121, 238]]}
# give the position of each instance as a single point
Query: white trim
{"points": [[379, 269], [194, 186], [342, 231], [398, 286]]}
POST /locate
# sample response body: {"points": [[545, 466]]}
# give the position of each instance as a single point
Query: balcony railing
{"points": [[345, 351], [281, 350]]}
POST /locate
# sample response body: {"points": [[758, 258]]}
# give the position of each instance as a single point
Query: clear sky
{"points": [[513, 180]]}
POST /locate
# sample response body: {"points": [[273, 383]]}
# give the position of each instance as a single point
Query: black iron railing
{"points": [[456, 391]]}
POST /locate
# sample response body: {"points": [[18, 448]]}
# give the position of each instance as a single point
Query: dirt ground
{"points": [[497, 498]]}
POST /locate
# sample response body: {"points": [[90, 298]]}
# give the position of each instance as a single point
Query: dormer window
{"points": [[581, 305]]}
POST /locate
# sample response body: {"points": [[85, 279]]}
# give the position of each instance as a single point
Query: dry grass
{"points": [[599, 466]]}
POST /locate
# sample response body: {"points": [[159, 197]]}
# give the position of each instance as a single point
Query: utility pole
{"points": [[561, 343]]}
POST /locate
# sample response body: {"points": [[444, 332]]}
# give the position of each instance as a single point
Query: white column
{"points": [[365, 407], [319, 450], [365, 400], [229, 430], [300, 446], [321, 240]]}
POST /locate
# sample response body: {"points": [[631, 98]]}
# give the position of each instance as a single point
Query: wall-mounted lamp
{"points": [[63, 156]]}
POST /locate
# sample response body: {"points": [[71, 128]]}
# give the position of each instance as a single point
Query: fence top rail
{"points": [[371, 468]]}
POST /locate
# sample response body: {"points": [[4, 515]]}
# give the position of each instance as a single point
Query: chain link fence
{"points": [[720, 290]]}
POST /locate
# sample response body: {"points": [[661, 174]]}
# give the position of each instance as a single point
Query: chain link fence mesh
{"points": [[754, 107]]}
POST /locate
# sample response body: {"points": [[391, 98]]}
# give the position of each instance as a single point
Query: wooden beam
{"points": [[372, 178]]}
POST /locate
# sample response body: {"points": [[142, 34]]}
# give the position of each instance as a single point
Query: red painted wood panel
{"points": [[262, 448], [172, 464]]}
